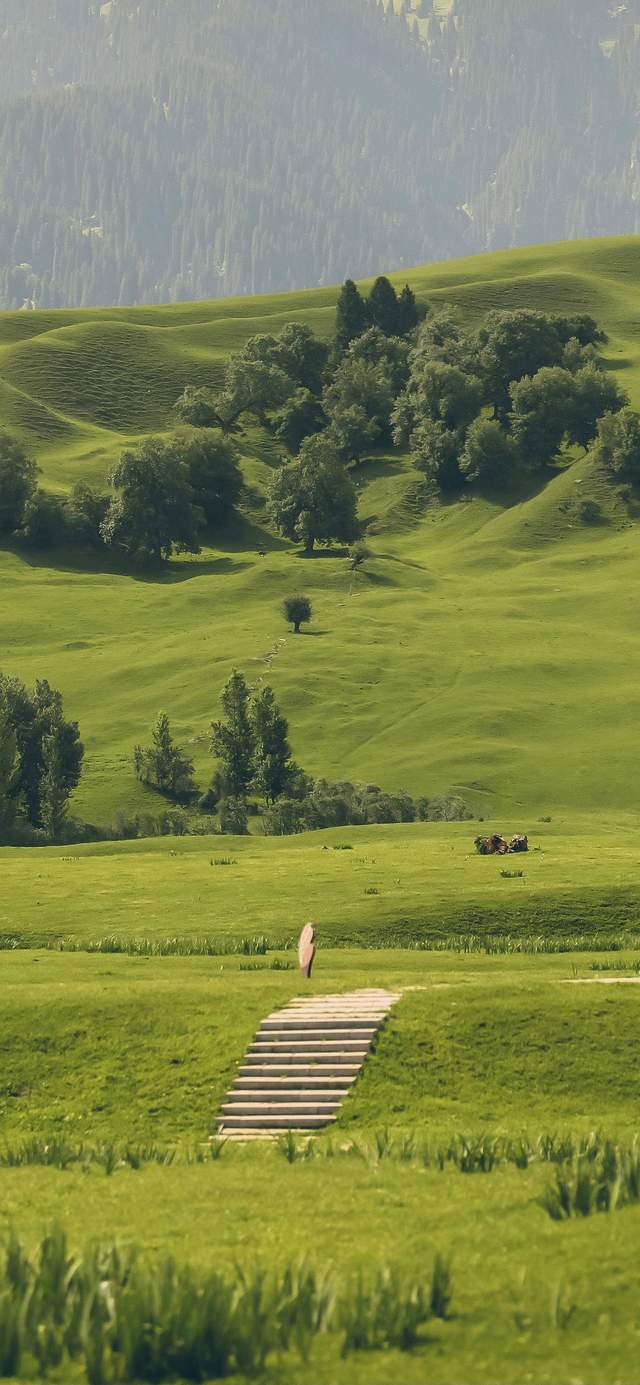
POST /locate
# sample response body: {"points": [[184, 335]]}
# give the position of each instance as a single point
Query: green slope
{"points": [[490, 646]]}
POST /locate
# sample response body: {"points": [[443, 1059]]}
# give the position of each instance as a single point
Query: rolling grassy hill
{"points": [[490, 646]]}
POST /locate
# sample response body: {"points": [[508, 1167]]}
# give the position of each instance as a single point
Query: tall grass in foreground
{"points": [[482, 1153], [599, 1179], [126, 1319], [465, 944]]}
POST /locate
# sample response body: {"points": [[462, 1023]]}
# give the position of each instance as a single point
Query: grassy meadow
{"points": [[473, 1047], [411, 883], [490, 647]]}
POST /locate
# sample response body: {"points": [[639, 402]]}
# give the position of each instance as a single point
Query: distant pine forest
{"points": [[165, 150]]}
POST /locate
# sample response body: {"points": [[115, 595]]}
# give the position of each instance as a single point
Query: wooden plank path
{"points": [[302, 1063]]}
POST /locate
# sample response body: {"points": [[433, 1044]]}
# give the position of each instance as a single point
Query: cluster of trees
{"points": [[40, 763], [134, 170], [326, 406], [515, 393], [471, 406], [164, 493], [251, 745], [322, 804]]}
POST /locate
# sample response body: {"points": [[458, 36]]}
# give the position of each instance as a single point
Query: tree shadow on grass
{"points": [[239, 543], [377, 579], [86, 563], [323, 553]]}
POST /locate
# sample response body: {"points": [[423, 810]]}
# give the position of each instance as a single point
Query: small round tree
{"points": [[297, 609]]}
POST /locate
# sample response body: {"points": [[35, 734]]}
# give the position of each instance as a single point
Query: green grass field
{"points": [[412, 883], [507, 1045], [489, 647]]}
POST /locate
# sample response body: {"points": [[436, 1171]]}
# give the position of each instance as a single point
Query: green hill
{"points": [[489, 647]]}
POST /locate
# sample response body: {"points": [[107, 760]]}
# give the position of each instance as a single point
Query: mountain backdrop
{"points": [[155, 150]]}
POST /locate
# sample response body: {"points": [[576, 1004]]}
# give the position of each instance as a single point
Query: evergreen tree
{"points": [[272, 765], [352, 318], [54, 795], [407, 312], [47, 745], [163, 765], [383, 307], [233, 740], [9, 766]]}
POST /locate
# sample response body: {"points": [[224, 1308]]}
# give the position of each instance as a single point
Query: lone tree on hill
{"points": [[18, 474], [163, 765], [233, 740], [297, 610]]}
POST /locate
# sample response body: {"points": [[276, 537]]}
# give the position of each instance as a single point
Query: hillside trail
{"points": [[282, 642]]}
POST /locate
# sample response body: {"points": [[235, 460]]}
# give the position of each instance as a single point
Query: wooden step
{"points": [[290, 1108], [299, 1068], [273, 1122]]}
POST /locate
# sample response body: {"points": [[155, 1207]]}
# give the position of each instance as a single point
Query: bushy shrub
{"points": [[126, 827], [234, 817], [326, 804], [43, 522], [448, 808]]}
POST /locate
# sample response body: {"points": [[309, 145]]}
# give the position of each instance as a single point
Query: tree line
{"points": [[256, 773], [471, 406], [41, 757], [164, 495]]}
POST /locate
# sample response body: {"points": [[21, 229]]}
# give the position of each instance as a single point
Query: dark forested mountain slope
{"points": [[159, 149]]}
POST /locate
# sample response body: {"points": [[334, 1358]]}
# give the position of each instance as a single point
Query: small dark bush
{"points": [[587, 510]]}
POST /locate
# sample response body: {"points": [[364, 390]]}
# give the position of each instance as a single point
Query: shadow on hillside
{"points": [[323, 553], [239, 539], [378, 465], [615, 363], [520, 488], [86, 563], [377, 579], [241, 535]]}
